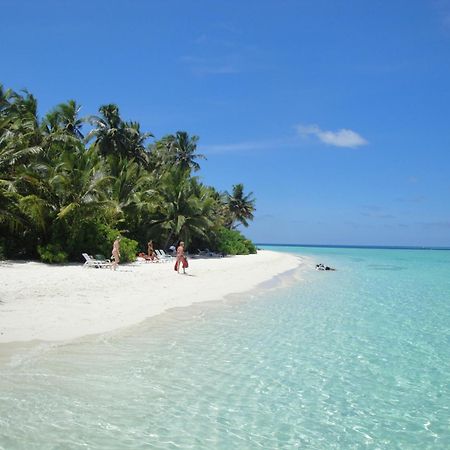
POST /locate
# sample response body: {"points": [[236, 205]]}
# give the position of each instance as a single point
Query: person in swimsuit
{"points": [[150, 251], [115, 253], [181, 259]]}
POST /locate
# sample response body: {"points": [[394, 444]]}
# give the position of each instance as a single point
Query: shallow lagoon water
{"points": [[357, 358]]}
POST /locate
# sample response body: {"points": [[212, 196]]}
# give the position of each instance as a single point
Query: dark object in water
{"points": [[322, 267]]}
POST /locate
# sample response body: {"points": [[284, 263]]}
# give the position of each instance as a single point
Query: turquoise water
{"points": [[357, 358]]}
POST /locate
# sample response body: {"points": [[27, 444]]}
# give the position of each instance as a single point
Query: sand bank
{"points": [[55, 303]]}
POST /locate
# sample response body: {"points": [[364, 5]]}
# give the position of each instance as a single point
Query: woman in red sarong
{"points": [[181, 259]]}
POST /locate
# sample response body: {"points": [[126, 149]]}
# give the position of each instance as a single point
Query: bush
{"points": [[232, 242], [52, 254], [128, 247], [250, 246], [91, 237]]}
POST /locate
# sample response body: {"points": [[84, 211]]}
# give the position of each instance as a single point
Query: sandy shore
{"points": [[55, 303]]}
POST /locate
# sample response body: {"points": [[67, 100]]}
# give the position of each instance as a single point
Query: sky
{"points": [[334, 113]]}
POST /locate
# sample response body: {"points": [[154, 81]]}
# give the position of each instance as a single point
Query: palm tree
{"points": [[239, 208], [108, 131], [113, 136], [179, 150], [20, 134], [69, 189], [64, 119], [5, 102], [131, 190], [185, 151], [57, 192], [81, 186], [184, 208], [10, 215], [136, 143]]}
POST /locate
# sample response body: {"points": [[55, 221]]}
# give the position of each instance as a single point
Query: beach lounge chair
{"points": [[97, 263], [163, 256], [166, 255]]}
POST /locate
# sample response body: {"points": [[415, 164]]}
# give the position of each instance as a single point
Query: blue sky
{"points": [[334, 113]]}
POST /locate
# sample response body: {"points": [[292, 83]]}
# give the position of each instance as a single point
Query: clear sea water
{"points": [[357, 358]]}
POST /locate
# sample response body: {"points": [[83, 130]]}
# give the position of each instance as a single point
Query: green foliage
{"points": [[184, 209], [238, 208], [83, 237], [52, 254], [232, 242], [93, 237], [128, 247], [62, 194]]}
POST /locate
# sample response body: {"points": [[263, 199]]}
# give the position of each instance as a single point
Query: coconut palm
{"points": [[64, 119], [131, 190], [10, 215], [56, 192], [113, 136], [5, 102], [185, 208], [180, 150], [68, 189], [20, 134], [239, 208]]}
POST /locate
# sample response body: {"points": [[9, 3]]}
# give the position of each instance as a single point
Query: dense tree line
{"points": [[64, 190]]}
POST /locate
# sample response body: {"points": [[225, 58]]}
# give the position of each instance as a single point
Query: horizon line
{"points": [[387, 247]]}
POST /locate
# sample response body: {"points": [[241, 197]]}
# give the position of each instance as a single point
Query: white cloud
{"points": [[340, 138], [250, 145], [235, 147]]}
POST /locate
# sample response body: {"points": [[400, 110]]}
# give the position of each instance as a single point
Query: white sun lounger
{"points": [[163, 256], [97, 263]]}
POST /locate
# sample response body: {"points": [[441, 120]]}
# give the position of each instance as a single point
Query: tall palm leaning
{"points": [[239, 208]]}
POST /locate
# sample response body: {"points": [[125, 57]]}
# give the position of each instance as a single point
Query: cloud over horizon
{"points": [[340, 138]]}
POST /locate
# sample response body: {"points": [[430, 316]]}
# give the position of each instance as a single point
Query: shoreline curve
{"points": [[62, 303]]}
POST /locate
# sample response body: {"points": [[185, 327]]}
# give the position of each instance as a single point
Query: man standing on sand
{"points": [[115, 254]]}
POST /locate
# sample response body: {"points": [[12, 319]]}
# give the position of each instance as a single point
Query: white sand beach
{"points": [[55, 303]]}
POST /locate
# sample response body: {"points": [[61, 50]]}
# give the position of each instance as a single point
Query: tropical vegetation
{"points": [[71, 184]]}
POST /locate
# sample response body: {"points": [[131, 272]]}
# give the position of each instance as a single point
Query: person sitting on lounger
{"points": [[145, 256], [151, 252]]}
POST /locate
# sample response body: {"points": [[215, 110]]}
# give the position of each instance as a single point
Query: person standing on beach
{"points": [[115, 254], [181, 259]]}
